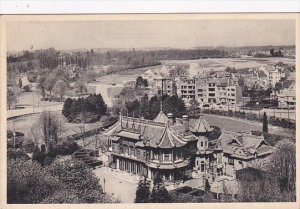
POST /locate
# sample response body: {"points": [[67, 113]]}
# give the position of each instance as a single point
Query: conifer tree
{"points": [[143, 191], [265, 123], [159, 192], [67, 108]]}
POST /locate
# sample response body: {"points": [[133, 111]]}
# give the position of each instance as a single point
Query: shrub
{"points": [[16, 154]]}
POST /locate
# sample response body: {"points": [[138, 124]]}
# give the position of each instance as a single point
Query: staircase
{"points": [[88, 156]]}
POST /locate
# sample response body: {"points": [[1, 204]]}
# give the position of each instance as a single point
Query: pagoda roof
{"points": [[201, 126], [161, 117]]}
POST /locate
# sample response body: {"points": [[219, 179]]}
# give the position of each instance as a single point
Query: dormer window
{"points": [[202, 144]]}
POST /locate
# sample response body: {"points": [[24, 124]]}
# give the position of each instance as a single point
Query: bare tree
{"points": [[48, 129], [283, 164], [60, 88], [12, 96]]}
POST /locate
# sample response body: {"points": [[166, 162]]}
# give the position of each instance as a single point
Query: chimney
{"points": [[170, 119], [185, 121]]}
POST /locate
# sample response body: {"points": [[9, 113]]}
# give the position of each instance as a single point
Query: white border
{"points": [[145, 6]]}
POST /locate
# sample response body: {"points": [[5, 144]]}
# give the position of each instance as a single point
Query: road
{"points": [[30, 102], [117, 183]]}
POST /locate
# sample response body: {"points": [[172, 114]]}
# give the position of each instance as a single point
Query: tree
{"points": [[145, 106], [62, 182], [50, 82], [159, 193], [76, 176], [12, 97], [143, 191], [60, 88], [68, 107], [283, 164], [265, 123], [42, 82], [193, 104], [89, 109], [28, 182], [272, 52], [141, 83], [80, 86], [48, 129], [20, 83]]}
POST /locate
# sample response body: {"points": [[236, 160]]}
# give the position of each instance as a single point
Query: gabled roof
{"points": [[161, 118], [243, 145], [201, 126]]}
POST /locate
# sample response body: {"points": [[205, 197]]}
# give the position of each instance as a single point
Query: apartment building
{"points": [[186, 88], [218, 90], [274, 77], [163, 85]]}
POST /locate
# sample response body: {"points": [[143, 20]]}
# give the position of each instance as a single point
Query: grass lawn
{"points": [[238, 125], [24, 124]]}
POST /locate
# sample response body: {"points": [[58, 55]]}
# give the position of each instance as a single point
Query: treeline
{"points": [[86, 110], [149, 108], [51, 58]]}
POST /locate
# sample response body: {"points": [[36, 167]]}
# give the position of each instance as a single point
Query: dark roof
{"points": [[243, 145], [149, 133]]}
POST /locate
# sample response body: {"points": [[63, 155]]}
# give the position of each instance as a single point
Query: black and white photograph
{"points": [[150, 109]]}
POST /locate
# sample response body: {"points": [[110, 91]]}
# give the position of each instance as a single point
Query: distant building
{"points": [[186, 88], [287, 96], [274, 77], [107, 91], [164, 85]]}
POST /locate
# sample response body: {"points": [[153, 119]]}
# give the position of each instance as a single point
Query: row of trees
{"points": [[87, 110], [149, 108]]}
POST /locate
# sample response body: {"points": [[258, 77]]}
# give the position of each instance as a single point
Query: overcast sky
{"points": [[139, 34]]}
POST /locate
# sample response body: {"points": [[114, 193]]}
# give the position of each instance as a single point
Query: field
{"points": [[24, 124], [125, 76], [219, 64], [239, 125]]}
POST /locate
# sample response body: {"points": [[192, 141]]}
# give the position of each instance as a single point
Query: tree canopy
{"points": [[89, 109]]}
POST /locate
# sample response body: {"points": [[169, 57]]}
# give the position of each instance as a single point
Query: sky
{"points": [[148, 33]]}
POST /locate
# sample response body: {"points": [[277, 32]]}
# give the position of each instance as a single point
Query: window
{"points": [[202, 166], [167, 157], [230, 161], [201, 144], [211, 94]]}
